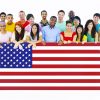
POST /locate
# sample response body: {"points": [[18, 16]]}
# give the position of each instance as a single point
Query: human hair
{"points": [[78, 18], [53, 17], [61, 11], [17, 35], [97, 15], [2, 13], [10, 15], [21, 11], [29, 16], [81, 26], [43, 11], [93, 31], [68, 22], [37, 33]]}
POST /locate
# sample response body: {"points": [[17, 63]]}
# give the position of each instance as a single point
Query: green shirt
{"points": [[89, 38], [61, 26]]}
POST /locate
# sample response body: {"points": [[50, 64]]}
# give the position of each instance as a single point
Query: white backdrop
{"points": [[83, 8]]}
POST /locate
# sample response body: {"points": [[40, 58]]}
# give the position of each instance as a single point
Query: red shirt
{"points": [[68, 38]]}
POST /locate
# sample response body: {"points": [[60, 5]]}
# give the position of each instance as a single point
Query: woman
{"points": [[35, 35], [18, 36], [68, 36], [4, 35], [90, 34], [79, 32]]}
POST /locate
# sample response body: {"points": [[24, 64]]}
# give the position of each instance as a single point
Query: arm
{"points": [[96, 37]]}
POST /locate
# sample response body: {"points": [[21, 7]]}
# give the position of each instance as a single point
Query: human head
{"points": [[10, 18], [68, 25], [22, 15], [53, 20], [76, 21], [2, 26], [61, 14], [96, 18], [30, 18], [44, 14], [71, 15], [3, 16], [35, 31]]}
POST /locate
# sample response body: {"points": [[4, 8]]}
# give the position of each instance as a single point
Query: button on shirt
{"points": [[50, 34]]}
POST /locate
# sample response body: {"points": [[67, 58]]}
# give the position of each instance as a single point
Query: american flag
{"points": [[51, 67]]}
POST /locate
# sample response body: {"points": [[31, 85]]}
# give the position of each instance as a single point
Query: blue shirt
{"points": [[50, 34], [97, 27]]}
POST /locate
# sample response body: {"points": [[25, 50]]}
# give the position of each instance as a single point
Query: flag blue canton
{"points": [[15, 58]]}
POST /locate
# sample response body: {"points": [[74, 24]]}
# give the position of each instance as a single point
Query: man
{"points": [[3, 16], [51, 33], [30, 19], [44, 21], [96, 19], [22, 17], [61, 24], [10, 25], [71, 16]]}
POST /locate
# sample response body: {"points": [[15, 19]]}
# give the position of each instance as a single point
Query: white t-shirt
{"points": [[13, 36], [5, 37], [35, 39]]}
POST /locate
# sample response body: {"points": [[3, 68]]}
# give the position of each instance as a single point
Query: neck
{"points": [[89, 31], [60, 21], [3, 31], [52, 26], [9, 23], [95, 23]]}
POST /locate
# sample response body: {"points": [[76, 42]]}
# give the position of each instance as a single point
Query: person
{"points": [[76, 22], [10, 25], [18, 36], [68, 36], [44, 21], [71, 15], [96, 19], [61, 24], [51, 33], [4, 35], [22, 20], [30, 19], [90, 34], [79, 32], [35, 35], [3, 16]]}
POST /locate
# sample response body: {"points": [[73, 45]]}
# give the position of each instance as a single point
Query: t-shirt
{"points": [[5, 37], [35, 39], [97, 27], [61, 26], [10, 28]]}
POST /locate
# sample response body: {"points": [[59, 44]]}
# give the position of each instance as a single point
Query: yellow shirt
{"points": [[84, 38], [10, 28]]}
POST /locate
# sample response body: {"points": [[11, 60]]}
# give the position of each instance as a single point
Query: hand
{"points": [[34, 45], [1, 46], [44, 43], [60, 42], [29, 45]]}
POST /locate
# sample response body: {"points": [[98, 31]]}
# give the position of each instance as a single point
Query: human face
{"points": [[18, 29], [22, 15], [44, 15], [53, 22], [31, 20], [61, 16], [34, 29], [69, 27], [2, 27], [3, 17], [79, 30], [96, 19], [10, 19], [90, 26], [76, 22]]}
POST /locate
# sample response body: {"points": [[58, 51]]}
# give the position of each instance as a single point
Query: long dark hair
{"points": [[93, 31], [37, 33], [81, 26], [17, 35]]}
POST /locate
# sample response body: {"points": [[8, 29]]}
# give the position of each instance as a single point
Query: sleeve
{"points": [[43, 34], [58, 36], [84, 38]]}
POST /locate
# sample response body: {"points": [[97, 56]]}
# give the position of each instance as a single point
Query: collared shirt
{"points": [[10, 27], [61, 26], [98, 28], [50, 34]]}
